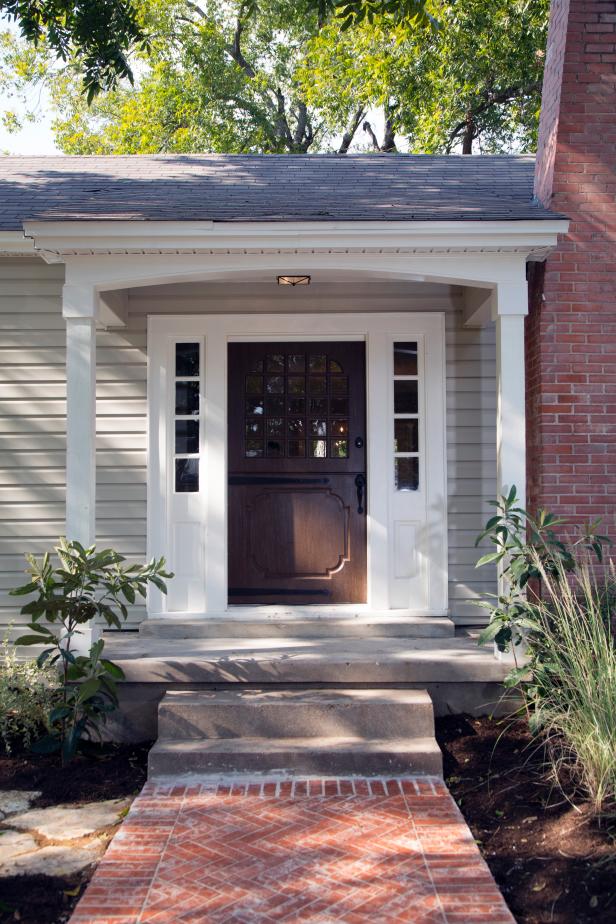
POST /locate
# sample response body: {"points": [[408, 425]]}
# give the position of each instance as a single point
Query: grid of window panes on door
{"points": [[406, 417], [296, 406], [186, 417]]}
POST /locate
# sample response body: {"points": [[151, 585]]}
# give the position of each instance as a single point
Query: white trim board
{"points": [[407, 531]]}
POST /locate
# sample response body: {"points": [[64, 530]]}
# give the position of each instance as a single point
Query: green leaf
{"points": [[490, 557], [32, 640], [114, 669], [49, 744], [489, 633], [88, 688]]}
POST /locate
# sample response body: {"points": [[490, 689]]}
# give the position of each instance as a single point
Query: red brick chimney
{"points": [[571, 328]]}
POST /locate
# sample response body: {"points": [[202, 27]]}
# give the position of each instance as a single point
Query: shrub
{"points": [[86, 585], [28, 693], [571, 684], [552, 599]]}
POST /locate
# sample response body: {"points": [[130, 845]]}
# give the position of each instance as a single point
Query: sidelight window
{"points": [[187, 422], [296, 406], [406, 416]]}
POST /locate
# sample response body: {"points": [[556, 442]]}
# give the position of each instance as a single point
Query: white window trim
{"points": [[386, 514]]}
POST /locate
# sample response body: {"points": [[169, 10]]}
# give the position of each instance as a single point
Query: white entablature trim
{"points": [[56, 240]]}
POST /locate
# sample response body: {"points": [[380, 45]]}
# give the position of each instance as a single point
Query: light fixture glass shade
{"points": [[293, 280]]}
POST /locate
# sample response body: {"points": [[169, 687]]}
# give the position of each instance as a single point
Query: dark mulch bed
{"points": [[110, 772], [554, 863]]}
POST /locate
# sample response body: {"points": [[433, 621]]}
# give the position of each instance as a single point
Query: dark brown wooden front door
{"points": [[297, 473]]}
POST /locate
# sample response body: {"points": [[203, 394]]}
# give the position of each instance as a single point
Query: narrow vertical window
{"points": [[186, 418], [406, 417]]}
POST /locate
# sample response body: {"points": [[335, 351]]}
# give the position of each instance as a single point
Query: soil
{"points": [[109, 772], [555, 863], [553, 860]]}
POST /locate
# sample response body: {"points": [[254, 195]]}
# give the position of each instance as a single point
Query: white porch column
{"points": [[511, 307], [79, 308]]}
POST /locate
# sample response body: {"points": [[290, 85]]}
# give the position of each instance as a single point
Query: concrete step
{"points": [[327, 662], [296, 714], [318, 756], [390, 624]]}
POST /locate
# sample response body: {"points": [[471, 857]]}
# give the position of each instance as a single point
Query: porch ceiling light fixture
{"points": [[293, 280]]}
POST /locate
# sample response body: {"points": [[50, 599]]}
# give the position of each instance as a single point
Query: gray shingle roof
{"points": [[268, 188]]}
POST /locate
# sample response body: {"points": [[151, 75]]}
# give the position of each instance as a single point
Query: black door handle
{"points": [[360, 484]]}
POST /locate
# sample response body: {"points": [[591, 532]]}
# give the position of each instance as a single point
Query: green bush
{"points": [[552, 600], [88, 584], [571, 686], [28, 693]]}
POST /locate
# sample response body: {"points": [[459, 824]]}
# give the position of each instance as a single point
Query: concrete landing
{"points": [[291, 660]]}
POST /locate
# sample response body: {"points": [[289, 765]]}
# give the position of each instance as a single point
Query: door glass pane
{"points": [[405, 358], [297, 385], [318, 427], [339, 427], [297, 362], [339, 407], [296, 449], [318, 449], [186, 475], [275, 448], [275, 362], [406, 438], [339, 385], [407, 474], [405, 397], [186, 359], [317, 385], [339, 449], [275, 426], [254, 449], [186, 398], [296, 406], [254, 407], [254, 428], [254, 384], [274, 406], [296, 426], [274, 384], [318, 405], [317, 362], [186, 436], [334, 366]]}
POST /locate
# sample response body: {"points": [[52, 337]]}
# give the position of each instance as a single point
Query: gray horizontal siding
{"points": [[33, 427]]}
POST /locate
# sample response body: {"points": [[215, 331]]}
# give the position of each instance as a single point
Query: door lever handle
{"points": [[360, 484]]}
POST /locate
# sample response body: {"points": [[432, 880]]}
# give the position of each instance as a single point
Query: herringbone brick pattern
{"points": [[339, 850]]}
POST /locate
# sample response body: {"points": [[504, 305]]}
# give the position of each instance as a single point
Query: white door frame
{"points": [[407, 531]]}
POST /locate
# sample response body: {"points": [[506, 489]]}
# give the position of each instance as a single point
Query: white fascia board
{"points": [[16, 242], [55, 239]]}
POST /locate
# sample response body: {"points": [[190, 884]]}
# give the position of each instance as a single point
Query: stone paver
{"points": [[13, 801], [56, 860], [350, 851], [65, 822]]}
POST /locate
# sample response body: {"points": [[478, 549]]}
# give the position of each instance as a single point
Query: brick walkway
{"points": [[324, 851]]}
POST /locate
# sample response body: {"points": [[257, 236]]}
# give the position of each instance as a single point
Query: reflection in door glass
{"points": [[186, 412]]}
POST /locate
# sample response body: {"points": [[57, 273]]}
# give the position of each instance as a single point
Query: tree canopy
{"points": [[297, 76], [96, 34]]}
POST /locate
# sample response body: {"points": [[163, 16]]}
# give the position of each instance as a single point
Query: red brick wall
{"points": [[571, 328]]}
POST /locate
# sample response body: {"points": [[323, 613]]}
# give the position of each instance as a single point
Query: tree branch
{"points": [[368, 129], [490, 99], [349, 134]]}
